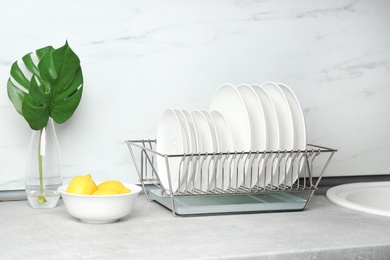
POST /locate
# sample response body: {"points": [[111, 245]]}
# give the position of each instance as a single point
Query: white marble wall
{"points": [[140, 57]]}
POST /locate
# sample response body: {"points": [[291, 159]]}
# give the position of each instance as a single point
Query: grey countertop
{"points": [[322, 231]]}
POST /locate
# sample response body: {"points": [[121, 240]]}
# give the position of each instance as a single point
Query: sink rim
{"points": [[339, 196]]}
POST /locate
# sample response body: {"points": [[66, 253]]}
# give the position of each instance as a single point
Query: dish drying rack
{"points": [[278, 180]]}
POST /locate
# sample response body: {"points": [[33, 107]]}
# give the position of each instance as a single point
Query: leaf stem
{"points": [[41, 198]]}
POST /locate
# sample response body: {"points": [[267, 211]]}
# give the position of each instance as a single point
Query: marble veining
{"points": [[140, 57]]}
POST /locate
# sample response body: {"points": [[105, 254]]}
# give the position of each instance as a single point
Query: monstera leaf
{"points": [[50, 86]]}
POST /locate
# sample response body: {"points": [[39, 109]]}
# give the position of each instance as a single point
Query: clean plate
{"points": [[203, 175], [368, 197], [286, 128], [170, 140], [299, 133], [228, 101], [273, 139], [258, 130]]}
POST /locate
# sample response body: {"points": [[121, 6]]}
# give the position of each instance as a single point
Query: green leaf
{"points": [[42, 51], [17, 92], [66, 102], [54, 89], [16, 95], [19, 76], [36, 113], [30, 65]]}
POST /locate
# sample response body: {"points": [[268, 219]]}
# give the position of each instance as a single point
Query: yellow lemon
{"points": [[111, 184], [82, 185], [125, 190], [106, 191]]}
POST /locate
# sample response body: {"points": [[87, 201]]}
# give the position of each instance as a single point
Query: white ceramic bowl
{"points": [[100, 208]]}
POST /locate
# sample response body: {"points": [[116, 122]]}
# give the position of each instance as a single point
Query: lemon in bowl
{"points": [[100, 205], [82, 184]]}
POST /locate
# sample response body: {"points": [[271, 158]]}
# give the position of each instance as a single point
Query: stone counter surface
{"points": [[322, 231]]}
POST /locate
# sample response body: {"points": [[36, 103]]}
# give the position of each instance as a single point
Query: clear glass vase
{"points": [[43, 168]]}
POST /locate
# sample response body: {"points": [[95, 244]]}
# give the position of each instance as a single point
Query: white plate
{"points": [[224, 133], [185, 128], [193, 133], [192, 165], [213, 129], [213, 169], [273, 140], [272, 144], [228, 101], [205, 139], [226, 145], [187, 148], [258, 130], [299, 132], [285, 127], [170, 140]]}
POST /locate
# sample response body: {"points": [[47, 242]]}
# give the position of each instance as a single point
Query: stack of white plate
{"points": [[243, 118]]}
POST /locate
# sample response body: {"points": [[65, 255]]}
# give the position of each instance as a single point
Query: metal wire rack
{"points": [[229, 182]]}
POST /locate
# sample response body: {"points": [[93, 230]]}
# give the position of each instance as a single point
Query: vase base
{"points": [[46, 201]]}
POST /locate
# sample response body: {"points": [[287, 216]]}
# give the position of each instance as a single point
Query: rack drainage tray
{"points": [[232, 203]]}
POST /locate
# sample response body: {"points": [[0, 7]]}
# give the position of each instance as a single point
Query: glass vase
{"points": [[43, 168]]}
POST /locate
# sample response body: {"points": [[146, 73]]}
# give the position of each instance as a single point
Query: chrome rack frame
{"points": [[231, 182]]}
